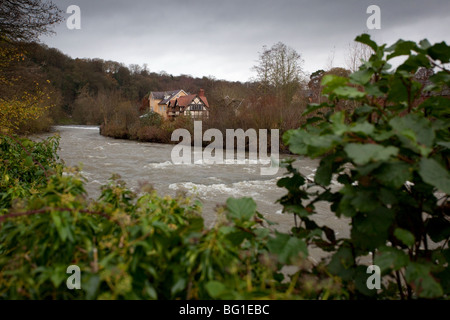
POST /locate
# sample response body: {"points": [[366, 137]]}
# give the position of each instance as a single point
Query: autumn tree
{"points": [[279, 71], [25, 20], [22, 97]]}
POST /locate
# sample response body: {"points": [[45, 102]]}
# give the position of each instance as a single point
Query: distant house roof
{"points": [[186, 100], [165, 96]]}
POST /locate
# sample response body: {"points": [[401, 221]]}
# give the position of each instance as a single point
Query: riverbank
{"points": [[163, 135]]}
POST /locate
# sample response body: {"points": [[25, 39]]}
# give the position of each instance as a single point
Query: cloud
{"points": [[223, 38]]}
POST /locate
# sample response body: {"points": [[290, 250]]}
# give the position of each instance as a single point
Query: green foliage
{"points": [[24, 167], [134, 246], [385, 166]]}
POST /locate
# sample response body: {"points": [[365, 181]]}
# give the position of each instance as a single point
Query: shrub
{"points": [[131, 246], [390, 156]]}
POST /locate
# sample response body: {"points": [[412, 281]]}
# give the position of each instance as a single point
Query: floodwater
{"points": [[143, 162]]}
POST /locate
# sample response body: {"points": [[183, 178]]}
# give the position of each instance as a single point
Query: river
{"points": [[143, 162]]}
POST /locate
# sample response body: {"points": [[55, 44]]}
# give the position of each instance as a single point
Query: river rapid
{"points": [[143, 162]]}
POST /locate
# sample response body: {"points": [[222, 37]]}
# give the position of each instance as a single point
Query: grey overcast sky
{"points": [[222, 38]]}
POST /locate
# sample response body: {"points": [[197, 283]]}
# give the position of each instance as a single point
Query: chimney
{"points": [[201, 93]]}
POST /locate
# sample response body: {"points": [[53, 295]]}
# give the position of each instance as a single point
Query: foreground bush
{"points": [[136, 247], [391, 157]]}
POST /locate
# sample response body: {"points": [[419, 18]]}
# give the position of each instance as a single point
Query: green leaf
{"points": [[434, 174], [291, 183], [364, 153], [440, 51], [333, 81], [324, 172], [405, 236], [389, 258], [286, 247], [394, 174], [236, 238], [444, 144], [304, 143], [362, 127], [414, 62], [342, 264], [438, 229], [424, 44], [314, 107], [179, 286], [338, 123], [313, 120], [361, 77], [91, 286], [437, 106], [370, 229], [58, 224], [242, 208], [297, 140], [419, 276], [414, 127], [398, 92], [215, 289], [28, 161], [401, 48], [349, 93], [365, 39]]}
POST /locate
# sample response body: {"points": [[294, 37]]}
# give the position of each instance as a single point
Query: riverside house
{"points": [[170, 104]]}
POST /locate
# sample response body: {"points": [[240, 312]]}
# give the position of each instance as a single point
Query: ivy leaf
{"points": [[364, 153], [434, 174]]}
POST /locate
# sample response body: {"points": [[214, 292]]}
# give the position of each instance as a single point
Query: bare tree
{"points": [[279, 70], [25, 20], [356, 53]]}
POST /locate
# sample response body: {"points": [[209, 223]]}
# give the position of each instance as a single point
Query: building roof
{"points": [[186, 100], [164, 94]]}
